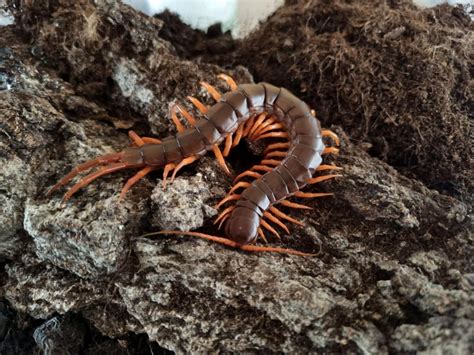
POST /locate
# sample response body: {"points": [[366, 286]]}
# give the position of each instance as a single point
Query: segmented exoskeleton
{"points": [[254, 111]]}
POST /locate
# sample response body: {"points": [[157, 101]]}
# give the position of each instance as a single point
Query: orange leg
{"points": [[224, 213], [228, 145], [261, 234], [268, 129], [280, 214], [179, 126], [324, 167], [269, 228], [271, 162], [330, 150], [248, 126], [266, 123], [261, 168], [104, 159], [133, 180], [276, 153], [239, 185], [276, 146], [223, 220], [198, 104], [331, 134], [135, 138], [191, 120], [312, 194], [139, 141], [322, 178], [257, 123], [182, 163], [166, 171], [228, 198], [228, 79], [220, 159], [238, 135], [275, 220], [91, 177], [273, 135], [290, 204], [250, 173], [150, 140], [216, 95]]}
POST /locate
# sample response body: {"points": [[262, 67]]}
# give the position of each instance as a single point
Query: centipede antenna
{"points": [[102, 160], [91, 177]]}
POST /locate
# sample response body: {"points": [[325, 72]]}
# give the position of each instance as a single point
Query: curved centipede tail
{"points": [[232, 244]]}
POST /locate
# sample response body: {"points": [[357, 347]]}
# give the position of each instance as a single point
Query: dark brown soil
{"points": [[391, 75], [397, 79]]}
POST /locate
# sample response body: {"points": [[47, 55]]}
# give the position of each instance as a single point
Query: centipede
{"points": [[292, 159]]}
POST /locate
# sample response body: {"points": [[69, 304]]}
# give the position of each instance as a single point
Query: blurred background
{"points": [[238, 16]]}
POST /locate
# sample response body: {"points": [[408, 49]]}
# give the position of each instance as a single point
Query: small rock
{"points": [[182, 205]]}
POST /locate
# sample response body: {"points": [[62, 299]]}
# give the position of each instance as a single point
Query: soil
{"points": [[394, 271]]}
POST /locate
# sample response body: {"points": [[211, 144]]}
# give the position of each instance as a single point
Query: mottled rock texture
{"points": [[394, 269]]}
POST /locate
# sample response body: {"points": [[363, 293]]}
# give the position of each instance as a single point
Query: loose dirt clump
{"points": [[390, 74], [189, 43]]}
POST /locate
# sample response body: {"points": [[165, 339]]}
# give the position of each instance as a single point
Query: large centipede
{"points": [[252, 111]]}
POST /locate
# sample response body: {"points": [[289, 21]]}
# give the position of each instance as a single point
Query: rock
{"points": [[182, 204], [393, 271], [441, 335], [90, 239]]}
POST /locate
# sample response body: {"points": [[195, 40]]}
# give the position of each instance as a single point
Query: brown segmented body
{"points": [[235, 107], [254, 111]]}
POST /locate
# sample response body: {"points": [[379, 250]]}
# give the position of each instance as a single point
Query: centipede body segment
{"points": [[252, 111]]}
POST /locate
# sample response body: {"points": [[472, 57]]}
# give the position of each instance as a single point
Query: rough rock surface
{"points": [[394, 269]]}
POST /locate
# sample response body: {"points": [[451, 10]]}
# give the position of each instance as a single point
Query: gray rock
{"points": [[88, 239], [440, 335], [182, 204]]}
